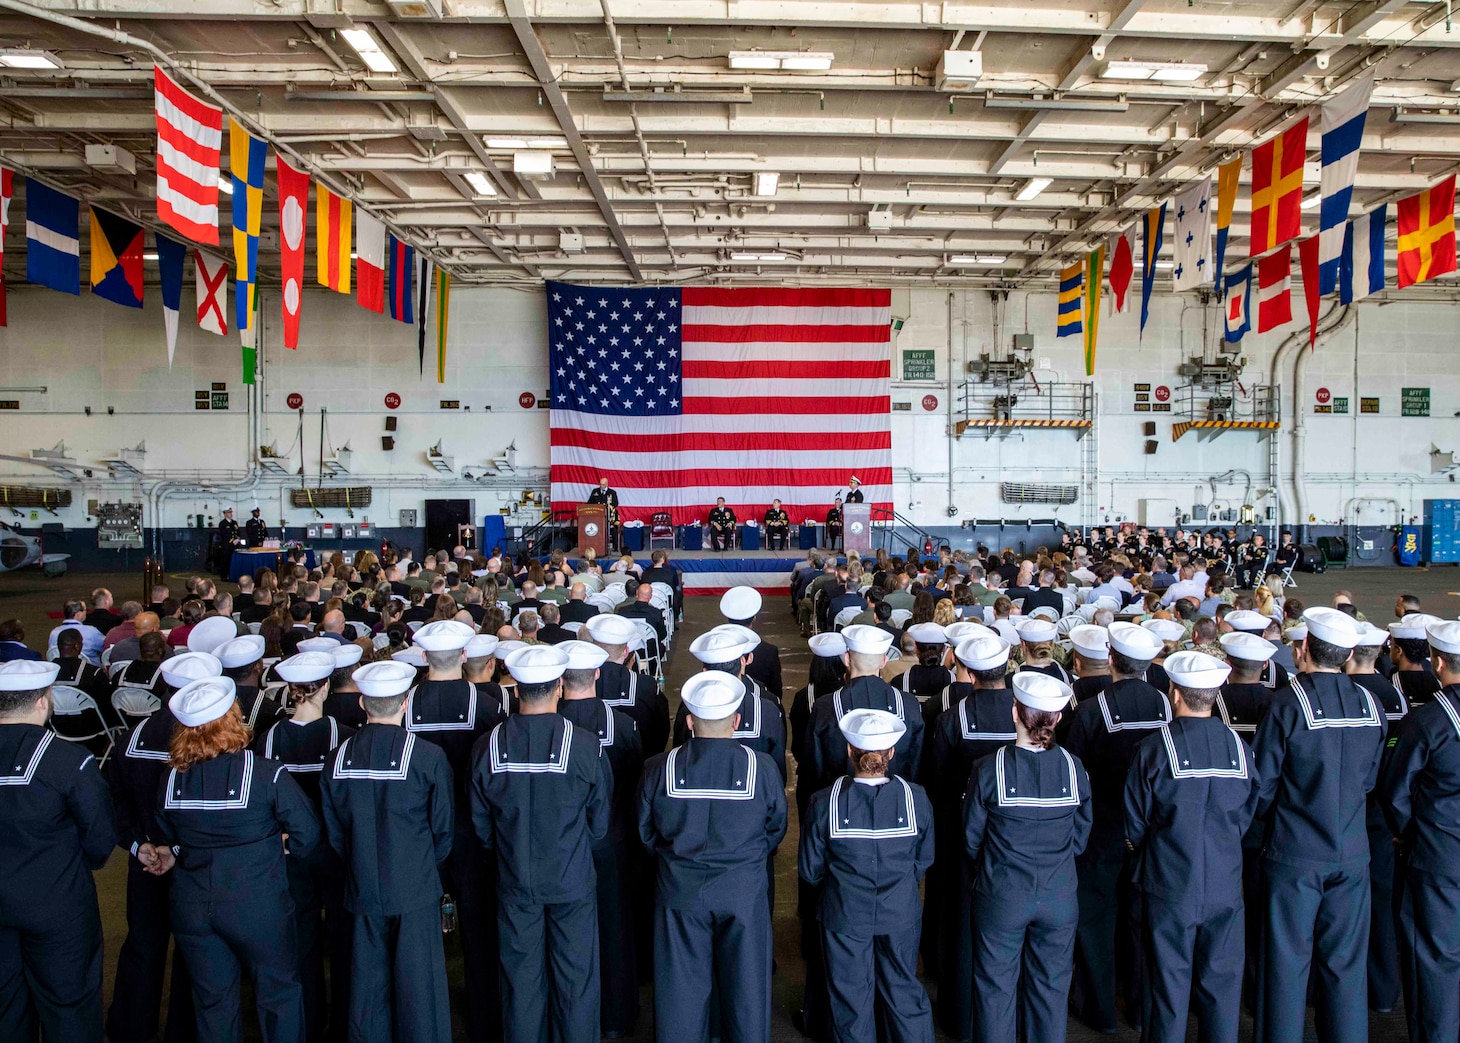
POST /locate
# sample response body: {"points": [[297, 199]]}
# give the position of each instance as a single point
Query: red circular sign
{"points": [[392, 401], [295, 400], [930, 402], [1163, 393], [527, 400], [1323, 396]]}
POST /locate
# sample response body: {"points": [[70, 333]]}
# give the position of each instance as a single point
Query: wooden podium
{"points": [[857, 527], [593, 528]]}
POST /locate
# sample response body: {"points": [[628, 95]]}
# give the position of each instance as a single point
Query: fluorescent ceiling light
{"points": [[1180, 72], [774, 255], [1312, 201], [29, 60], [368, 50], [1165, 265], [997, 101], [787, 61], [766, 182], [150, 255], [1033, 187], [977, 259], [521, 144], [480, 183]]}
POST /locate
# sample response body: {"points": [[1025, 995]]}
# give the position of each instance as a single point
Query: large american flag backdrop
{"points": [[678, 396]]}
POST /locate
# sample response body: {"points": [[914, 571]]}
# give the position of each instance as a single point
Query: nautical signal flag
{"points": [[1122, 253], [293, 202], [423, 311], [334, 221], [1361, 269], [1308, 265], [52, 243], [1094, 277], [443, 316], [1274, 290], [116, 259], [1228, 174], [7, 191], [189, 143], [1153, 231], [369, 262], [1342, 125], [1238, 291], [1191, 245], [402, 268], [1071, 300], [171, 256], [1427, 233], [246, 155], [1277, 188], [212, 287]]}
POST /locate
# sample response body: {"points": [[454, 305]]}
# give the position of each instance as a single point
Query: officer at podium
{"points": [[722, 525], [855, 493], [254, 530], [777, 527], [609, 498]]}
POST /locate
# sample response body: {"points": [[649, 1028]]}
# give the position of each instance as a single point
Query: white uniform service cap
{"points": [[583, 655], [306, 667], [241, 651], [537, 664], [987, 651], [928, 634], [1241, 645], [1092, 642], [867, 640], [444, 635], [385, 679], [872, 730], [190, 666], [210, 632], [1332, 626], [1134, 641], [1197, 669], [712, 695], [202, 701], [1037, 628], [828, 645], [611, 629], [27, 675], [1041, 692], [740, 603]]}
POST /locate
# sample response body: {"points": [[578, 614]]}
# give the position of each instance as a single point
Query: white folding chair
{"points": [[380, 641], [572, 628], [134, 704], [358, 629], [845, 616], [653, 654], [414, 625], [894, 654], [899, 617], [76, 718], [254, 628]]}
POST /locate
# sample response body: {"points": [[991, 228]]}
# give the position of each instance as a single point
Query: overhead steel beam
{"points": [[537, 58], [1356, 25]]}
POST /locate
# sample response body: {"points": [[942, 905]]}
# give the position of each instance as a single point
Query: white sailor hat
{"points": [[828, 645], [1371, 636], [384, 679], [1037, 628], [506, 648], [210, 632], [867, 640], [305, 667], [927, 634], [1240, 645], [1191, 669], [481, 572], [986, 651], [1045, 612], [1444, 636], [346, 653], [741, 631], [720, 645], [190, 666], [27, 675], [1092, 642], [1165, 629], [583, 655], [444, 635], [956, 632], [1133, 641], [240, 651], [202, 701], [1006, 629], [318, 644], [1039, 691], [481, 646], [611, 629], [1413, 626], [712, 695], [1295, 633], [1333, 626], [871, 729], [1246, 620], [537, 664], [740, 603], [415, 656]]}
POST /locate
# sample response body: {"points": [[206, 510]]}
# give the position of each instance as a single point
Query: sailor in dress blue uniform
{"points": [[304, 744], [741, 605], [636, 694], [224, 812], [343, 701], [1090, 664], [613, 854], [1317, 754], [1036, 645], [930, 675], [1419, 790], [1409, 641], [541, 797], [728, 648], [450, 712], [867, 842], [1104, 736], [57, 817], [1026, 818], [712, 812], [1190, 796], [388, 814]]}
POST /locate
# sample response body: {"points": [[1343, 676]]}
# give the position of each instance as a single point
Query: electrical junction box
{"points": [[1199, 512], [959, 70]]}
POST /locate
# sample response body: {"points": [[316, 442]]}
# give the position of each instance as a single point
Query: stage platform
{"points": [[714, 572]]}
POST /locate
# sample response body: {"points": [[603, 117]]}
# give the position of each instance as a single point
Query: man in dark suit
{"points": [[577, 609], [641, 608], [552, 631], [661, 571], [1044, 596], [101, 615]]}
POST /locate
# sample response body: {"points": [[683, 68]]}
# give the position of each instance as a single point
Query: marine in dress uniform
{"points": [[1413, 677], [388, 814], [255, 531], [777, 527], [762, 728], [616, 854], [741, 605], [224, 818], [449, 711], [1104, 736], [541, 795], [304, 744], [1419, 791], [1317, 754], [57, 817], [854, 493], [1190, 796], [866, 843], [722, 525], [712, 812], [636, 694], [834, 525], [1026, 817]]}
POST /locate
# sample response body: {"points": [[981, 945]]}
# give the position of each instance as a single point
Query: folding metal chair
{"points": [[135, 704], [899, 617], [845, 616], [76, 718], [653, 652], [254, 628], [572, 628]]}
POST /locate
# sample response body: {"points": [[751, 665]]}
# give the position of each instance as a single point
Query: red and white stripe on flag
{"points": [[189, 137], [369, 262], [1274, 291], [293, 204], [212, 289], [760, 394]]}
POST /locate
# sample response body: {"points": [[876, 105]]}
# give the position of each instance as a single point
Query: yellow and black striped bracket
{"points": [[1179, 429]]}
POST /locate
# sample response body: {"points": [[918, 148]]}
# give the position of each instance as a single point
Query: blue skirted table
{"points": [[247, 562]]}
